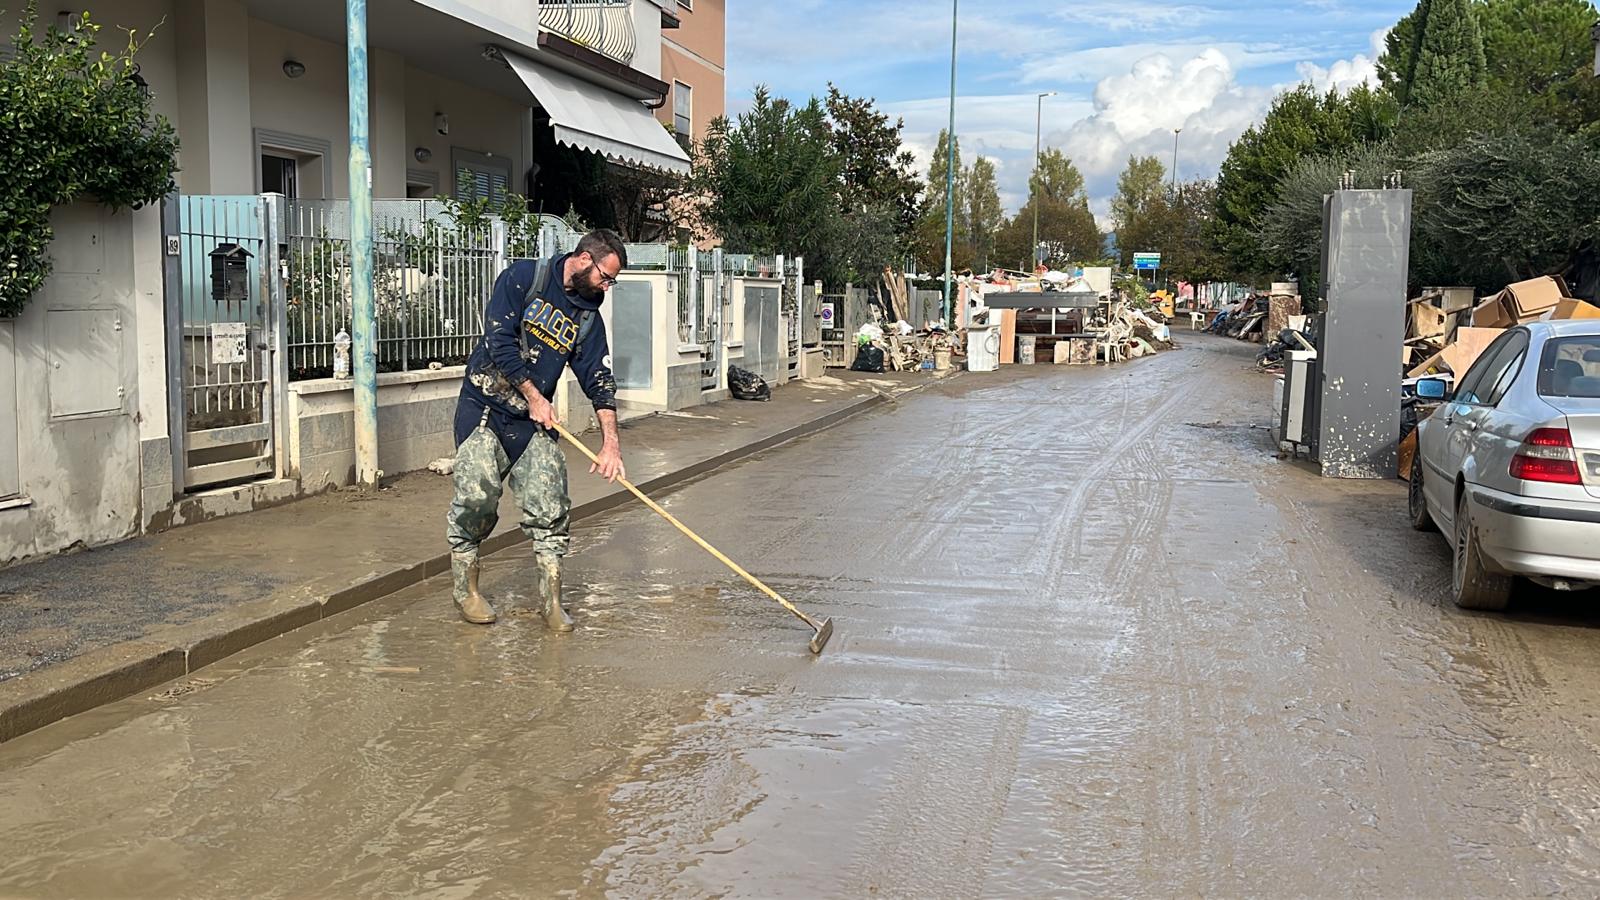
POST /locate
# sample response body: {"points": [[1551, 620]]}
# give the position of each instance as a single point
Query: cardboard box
{"points": [[1491, 313], [1530, 299], [1571, 308]]}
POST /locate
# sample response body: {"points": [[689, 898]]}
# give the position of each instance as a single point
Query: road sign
{"points": [[827, 315], [1147, 260]]}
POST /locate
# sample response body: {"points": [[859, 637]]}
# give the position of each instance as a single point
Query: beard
{"points": [[584, 285]]}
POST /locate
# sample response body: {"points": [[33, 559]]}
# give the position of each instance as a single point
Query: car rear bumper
{"points": [[1524, 536]]}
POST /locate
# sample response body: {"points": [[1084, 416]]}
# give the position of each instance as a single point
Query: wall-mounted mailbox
{"points": [[230, 274]]}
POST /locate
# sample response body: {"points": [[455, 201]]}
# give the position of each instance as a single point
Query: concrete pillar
{"points": [[390, 154], [218, 152]]}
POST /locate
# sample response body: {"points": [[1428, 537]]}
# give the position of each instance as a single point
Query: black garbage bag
{"points": [[744, 384], [868, 359]]}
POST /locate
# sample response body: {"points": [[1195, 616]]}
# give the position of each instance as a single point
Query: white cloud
{"points": [[1000, 127], [1135, 114], [1344, 75], [1095, 64]]}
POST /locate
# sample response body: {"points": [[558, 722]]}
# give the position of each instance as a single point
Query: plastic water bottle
{"points": [[341, 354]]}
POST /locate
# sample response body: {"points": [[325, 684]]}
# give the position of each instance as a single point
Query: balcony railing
{"points": [[605, 26]]}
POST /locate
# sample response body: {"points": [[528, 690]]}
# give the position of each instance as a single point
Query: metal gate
{"points": [[762, 341], [712, 297], [223, 321]]}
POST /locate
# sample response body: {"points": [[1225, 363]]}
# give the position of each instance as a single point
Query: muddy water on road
{"points": [[1093, 639]]}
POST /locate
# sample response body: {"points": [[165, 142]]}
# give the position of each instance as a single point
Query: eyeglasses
{"points": [[605, 280]]}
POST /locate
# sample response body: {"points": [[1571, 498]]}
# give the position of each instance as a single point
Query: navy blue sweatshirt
{"points": [[548, 322]]}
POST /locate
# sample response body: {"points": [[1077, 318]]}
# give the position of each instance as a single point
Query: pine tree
{"points": [[1449, 56]]}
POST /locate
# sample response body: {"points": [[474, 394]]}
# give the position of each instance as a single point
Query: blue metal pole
{"points": [[364, 326], [950, 170]]}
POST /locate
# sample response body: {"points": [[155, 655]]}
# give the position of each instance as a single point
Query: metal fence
{"points": [[430, 281], [432, 276]]}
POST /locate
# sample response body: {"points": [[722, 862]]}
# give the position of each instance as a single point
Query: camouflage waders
{"points": [[539, 482]]}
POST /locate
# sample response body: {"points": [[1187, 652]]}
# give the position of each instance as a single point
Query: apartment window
{"points": [[682, 111], [480, 176], [294, 165], [686, 4], [280, 175], [421, 183]]}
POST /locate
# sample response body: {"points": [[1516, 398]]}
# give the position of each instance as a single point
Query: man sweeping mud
{"points": [[543, 316]]}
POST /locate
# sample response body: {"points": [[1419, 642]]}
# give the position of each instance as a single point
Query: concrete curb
{"points": [[102, 676]]}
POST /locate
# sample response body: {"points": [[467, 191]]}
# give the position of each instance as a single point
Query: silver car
{"points": [[1508, 467]]}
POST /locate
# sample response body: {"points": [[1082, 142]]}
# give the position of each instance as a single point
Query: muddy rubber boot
{"points": [[555, 618], [464, 574]]}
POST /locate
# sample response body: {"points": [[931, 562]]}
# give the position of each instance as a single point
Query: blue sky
{"points": [[1126, 73]]}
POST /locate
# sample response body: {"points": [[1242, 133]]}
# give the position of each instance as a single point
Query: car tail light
{"points": [[1547, 455]]}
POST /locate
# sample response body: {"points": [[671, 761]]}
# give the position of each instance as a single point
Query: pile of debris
{"points": [[903, 348], [1243, 320], [1447, 329], [1259, 317], [1137, 332]]}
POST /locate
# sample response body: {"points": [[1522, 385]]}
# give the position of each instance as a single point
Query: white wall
{"points": [[479, 121], [212, 82], [75, 358], [313, 105], [647, 32], [158, 64]]}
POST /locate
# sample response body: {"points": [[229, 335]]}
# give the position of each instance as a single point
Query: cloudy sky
{"points": [[1126, 72]]}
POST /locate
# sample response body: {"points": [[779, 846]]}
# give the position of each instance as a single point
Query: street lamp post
{"points": [[1038, 129], [1175, 133], [950, 170], [363, 318]]}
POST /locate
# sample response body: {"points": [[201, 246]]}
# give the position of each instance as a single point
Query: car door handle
{"points": [[1472, 425]]}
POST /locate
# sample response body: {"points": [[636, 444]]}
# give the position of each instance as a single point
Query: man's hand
{"points": [[539, 409], [610, 465]]}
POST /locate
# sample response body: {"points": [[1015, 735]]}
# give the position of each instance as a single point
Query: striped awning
{"points": [[592, 118]]}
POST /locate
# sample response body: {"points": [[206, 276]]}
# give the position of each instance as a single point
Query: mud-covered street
{"points": [[1093, 638]]}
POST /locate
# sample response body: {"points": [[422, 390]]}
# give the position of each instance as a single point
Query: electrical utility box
{"points": [[1366, 252]]}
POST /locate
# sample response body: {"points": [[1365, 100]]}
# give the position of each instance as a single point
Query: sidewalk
{"points": [[80, 630]]}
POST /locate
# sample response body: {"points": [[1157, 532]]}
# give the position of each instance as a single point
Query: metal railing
{"points": [[605, 26], [431, 281], [433, 274]]}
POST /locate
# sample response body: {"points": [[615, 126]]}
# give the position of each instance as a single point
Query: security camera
{"points": [[441, 123]]}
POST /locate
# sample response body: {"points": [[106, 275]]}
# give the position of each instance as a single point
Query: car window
{"points": [[1475, 386], [1517, 351], [1570, 367]]}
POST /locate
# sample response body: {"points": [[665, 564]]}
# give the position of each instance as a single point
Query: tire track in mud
{"points": [[1069, 513], [1483, 792], [962, 449], [1515, 699], [1077, 763]]}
